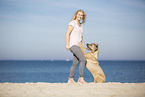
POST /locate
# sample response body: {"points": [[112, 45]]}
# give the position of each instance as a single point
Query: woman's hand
{"points": [[67, 47]]}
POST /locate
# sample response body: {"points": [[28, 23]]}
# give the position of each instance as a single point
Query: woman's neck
{"points": [[78, 22]]}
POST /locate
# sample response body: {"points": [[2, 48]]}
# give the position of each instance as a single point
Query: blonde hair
{"points": [[84, 16]]}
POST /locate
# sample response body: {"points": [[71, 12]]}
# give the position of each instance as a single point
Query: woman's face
{"points": [[79, 15]]}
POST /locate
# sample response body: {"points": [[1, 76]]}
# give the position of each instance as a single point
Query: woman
{"points": [[74, 37]]}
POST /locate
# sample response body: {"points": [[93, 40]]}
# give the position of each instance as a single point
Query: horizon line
{"points": [[63, 60]]}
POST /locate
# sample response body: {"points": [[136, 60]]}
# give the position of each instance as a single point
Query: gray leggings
{"points": [[77, 56]]}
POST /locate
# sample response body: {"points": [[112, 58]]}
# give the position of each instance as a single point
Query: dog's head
{"points": [[93, 47]]}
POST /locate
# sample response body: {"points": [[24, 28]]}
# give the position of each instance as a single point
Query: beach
{"points": [[41, 89]]}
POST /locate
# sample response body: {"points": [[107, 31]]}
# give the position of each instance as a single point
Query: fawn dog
{"points": [[93, 64]]}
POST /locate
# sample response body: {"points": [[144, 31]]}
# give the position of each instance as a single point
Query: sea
{"points": [[57, 71]]}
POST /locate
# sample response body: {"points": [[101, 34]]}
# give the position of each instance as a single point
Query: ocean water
{"points": [[58, 71]]}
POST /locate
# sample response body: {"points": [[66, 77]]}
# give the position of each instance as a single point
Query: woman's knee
{"points": [[83, 60]]}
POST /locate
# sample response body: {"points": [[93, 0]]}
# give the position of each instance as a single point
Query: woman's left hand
{"points": [[67, 47]]}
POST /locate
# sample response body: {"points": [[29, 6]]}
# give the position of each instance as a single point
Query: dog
{"points": [[93, 64]]}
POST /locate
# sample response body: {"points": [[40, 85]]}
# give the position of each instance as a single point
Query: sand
{"points": [[72, 90]]}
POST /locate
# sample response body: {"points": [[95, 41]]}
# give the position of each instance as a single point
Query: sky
{"points": [[36, 29]]}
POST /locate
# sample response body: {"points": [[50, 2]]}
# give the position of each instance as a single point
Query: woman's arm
{"points": [[69, 30]]}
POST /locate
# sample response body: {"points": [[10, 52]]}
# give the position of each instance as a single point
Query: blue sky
{"points": [[35, 29]]}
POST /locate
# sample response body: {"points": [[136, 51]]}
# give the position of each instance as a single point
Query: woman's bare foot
{"points": [[81, 80], [71, 80]]}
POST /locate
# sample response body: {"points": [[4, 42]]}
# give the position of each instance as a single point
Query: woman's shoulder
{"points": [[72, 22]]}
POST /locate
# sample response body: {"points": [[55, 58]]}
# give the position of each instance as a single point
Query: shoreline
{"points": [[70, 83], [42, 89]]}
